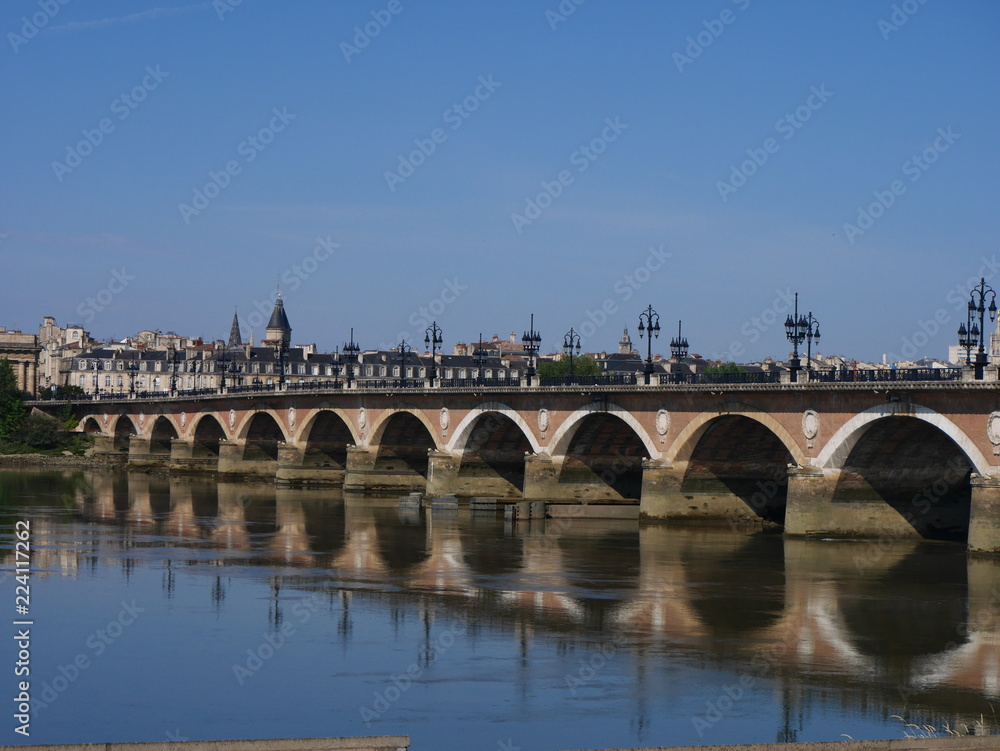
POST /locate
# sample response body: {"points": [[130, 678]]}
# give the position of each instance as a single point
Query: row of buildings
{"points": [[152, 361]]}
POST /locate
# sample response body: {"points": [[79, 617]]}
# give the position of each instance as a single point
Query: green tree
{"points": [[11, 402], [582, 366], [726, 367]]}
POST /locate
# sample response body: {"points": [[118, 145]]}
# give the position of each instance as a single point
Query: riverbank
{"points": [[45, 460]]}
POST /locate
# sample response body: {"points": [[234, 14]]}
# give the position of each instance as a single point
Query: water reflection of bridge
{"points": [[903, 613]]}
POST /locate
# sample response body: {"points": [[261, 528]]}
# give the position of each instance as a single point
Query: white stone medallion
{"points": [[291, 417], [810, 426], [663, 424], [993, 431], [543, 420], [444, 419], [184, 420], [232, 420]]}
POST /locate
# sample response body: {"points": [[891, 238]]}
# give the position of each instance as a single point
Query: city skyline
{"points": [[482, 164]]}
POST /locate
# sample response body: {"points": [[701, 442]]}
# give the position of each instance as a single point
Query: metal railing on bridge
{"points": [[699, 378], [884, 375]]}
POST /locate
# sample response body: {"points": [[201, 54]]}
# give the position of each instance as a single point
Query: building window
{"points": [[256, 367], [368, 370], [83, 364], [449, 373], [302, 369], [83, 381], [93, 381], [489, 374], [315, 369], [381, 370], [107, 380], [121, 365], [159, 367], [395, 371], [119, 381], [142, 366], [462, 374]]}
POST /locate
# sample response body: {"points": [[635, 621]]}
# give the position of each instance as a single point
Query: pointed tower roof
{"points": [[235, 338], [278, 318]]}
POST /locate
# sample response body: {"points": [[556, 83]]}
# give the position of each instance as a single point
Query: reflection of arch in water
{"points": [[737, 456], [489, 552], [603, 566], [912, 465], [401, 545], [740, 590]]}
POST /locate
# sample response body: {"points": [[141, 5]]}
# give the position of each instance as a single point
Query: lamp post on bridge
{"points": [[973, 333], [812, 332], [649, 325], [281, 352], [403, 348], [678, 345], [479, 355], [571, 340], [172, 357], [433, 338], [532, 342], [795, 332], [351, 352]]}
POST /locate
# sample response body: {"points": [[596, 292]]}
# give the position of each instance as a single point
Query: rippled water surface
{"points": [[207, 610]]}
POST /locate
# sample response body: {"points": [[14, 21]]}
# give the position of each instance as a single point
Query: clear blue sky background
{"points": [[448, 225]]}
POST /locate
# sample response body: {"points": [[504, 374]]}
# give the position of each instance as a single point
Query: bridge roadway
{"points": [[896, 459]]}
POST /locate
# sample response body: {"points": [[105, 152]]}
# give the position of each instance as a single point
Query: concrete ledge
{"points": [[964, 743], [370, 743]]}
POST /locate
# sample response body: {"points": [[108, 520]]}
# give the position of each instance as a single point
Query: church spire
{"points": [[278, 327], [235, 338], [625, 345]]}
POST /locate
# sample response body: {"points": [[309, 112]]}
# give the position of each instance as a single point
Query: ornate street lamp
{"points": [[227, 365], [132, 367], [403, 348], [532, 342], [649, 325], [571, 340], [280, 352], [796, 329], [973, 333], [678, 345], [350, 354], [812, 332], [433, 338], [479, 354], [172, 356]]}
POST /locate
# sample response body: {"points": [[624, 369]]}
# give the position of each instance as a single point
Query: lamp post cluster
{"points": [[972, 333], [649, 326], [798, 329]]}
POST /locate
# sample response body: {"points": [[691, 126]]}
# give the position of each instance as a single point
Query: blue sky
{"points": [[477, 162]]}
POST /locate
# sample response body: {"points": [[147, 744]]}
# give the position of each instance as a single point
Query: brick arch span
{"points": [[687, 440], [836, 451], [123, 428], [243, 427], [381, 423], [464, 429], [91, 426], [301, 435], [563, 436]]}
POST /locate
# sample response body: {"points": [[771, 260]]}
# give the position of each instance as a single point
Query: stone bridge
{"points": [[896, 459]]}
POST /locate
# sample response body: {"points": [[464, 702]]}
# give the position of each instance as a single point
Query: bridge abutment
{"points": [[984, 515], [442, 473], [661, 492], [367, 472], [141, 456]]}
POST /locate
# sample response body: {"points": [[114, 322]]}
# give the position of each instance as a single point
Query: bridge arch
{"points": [[206, 434], [687, 440], [261, 433], [378, 428], [603, 458], [324, 438], [306, 426], [242, 429], [124, 429], [91, 426], [162, 432], [836, 451], [464, 429], [563, 436], [401, 439]]}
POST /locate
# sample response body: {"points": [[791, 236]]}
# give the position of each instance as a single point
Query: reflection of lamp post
{"points": [[650, 329], [974, 334], [532, 342], [571, 340], [403, 348], [433, 338], [350, 354]]}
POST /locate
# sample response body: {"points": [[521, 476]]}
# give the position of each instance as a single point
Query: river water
{"points": [[191, 609]]}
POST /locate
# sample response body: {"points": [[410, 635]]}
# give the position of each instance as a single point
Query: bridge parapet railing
{"points": [[885, 375], [710, 378], [609, 379]]}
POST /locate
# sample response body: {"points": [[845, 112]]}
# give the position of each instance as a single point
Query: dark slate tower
{"points": [[235, 338], [278, 327]]}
